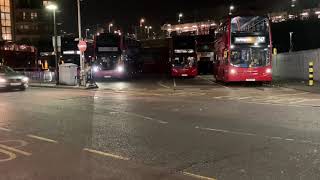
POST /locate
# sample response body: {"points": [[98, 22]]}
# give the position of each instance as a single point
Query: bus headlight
{"points": [[120, 69], [95, 69], [269, 71], [233, 71]]}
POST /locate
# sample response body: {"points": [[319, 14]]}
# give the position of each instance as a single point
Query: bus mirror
{"points": [[275, 51], [225, 55]]}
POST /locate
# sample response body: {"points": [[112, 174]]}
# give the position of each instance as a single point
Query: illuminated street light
{"points": [[53, 7], [180, 17], [110, 25], [231, 8], [142, 20]]}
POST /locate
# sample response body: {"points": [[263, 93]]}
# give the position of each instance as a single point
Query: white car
{"points": [[9, 79]]}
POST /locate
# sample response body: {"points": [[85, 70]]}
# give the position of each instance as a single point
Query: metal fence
{"points": [[295, 65], [40, 76]]}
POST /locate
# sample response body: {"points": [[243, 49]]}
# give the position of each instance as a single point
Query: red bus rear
{"points": [[183, 56], [243, 50]]}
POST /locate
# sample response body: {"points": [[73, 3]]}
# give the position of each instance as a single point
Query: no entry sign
{"points": [[82, 46]]}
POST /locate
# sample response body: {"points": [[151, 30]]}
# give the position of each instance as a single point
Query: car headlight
{"points": [[120, 69], [25, 79], [2, 80]]}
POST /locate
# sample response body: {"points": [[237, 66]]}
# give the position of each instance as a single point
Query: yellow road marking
{"points": [[5, 129], [105, 154], [15, 150], [198, 176], [11, 156], [42, 138]]}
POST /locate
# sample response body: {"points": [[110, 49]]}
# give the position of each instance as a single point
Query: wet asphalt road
{"points": [[160, 128]]}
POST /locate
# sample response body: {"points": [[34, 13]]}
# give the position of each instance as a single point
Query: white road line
{"points": [[145, 117], [256, 135], [14, 150], [281, 95], [162, 85], [174, 83], [5, 129], [197, 176], [42, 138], [105, 154]]}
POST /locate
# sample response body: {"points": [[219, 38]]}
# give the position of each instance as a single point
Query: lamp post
{"points": [[53, 8], [231, 8], [147, 29], [180, 17], [110, 25], [82, 73], [142, 20], [87, 30]]}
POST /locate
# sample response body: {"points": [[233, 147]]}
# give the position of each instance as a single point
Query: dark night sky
{"points": [[157, 12]]}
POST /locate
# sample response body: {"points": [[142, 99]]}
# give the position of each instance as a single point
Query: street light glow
{"points": [[231, 8], [142, 20], [52, 7], [110, 24], [180, 15]]}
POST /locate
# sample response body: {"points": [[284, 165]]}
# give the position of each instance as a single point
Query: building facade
{"points": [[6, 24], [32, 22]]}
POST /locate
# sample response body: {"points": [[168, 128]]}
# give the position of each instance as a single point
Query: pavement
{"points": [[160, 128]]}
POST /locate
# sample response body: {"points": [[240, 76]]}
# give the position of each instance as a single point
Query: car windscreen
{"points": [[6, 70]]}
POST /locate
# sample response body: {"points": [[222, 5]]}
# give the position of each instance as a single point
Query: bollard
{"points": [[311, 81]]}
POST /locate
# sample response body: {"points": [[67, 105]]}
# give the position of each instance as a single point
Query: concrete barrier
{"points": [[295, 65]]}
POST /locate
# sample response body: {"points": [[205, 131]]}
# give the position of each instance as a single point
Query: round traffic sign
{"points": [[82, 46]]}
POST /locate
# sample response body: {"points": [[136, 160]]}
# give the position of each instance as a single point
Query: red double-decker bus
{"points": [[116, 56], [243, 49], [183, 56]]}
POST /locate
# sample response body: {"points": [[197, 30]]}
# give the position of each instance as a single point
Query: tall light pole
{"points": [[142, 20], [80, 39], [87, 30], [180, 16], [291, 43], [53, 8], [231, 8], [110, 25], [148, 30]]}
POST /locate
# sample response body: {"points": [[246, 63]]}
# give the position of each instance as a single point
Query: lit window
{"points": [[5, 15], [34, 15]]}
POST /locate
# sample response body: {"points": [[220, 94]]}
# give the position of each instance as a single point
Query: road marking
{"points": [[197, 176], [5, 129], [42, 138], [162, 85], [105, 154], [174, 83], [227, 131], [11, 156], [144, 117], [14, 150]]}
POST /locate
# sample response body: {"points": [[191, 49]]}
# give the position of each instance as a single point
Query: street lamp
{"points": [[53, 8], [142, 20], [180, 17], [110, 25], [231, 8], [87, 30], [148, 30]]}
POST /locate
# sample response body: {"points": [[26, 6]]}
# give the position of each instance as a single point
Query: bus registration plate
{"points": [[251, 80]]}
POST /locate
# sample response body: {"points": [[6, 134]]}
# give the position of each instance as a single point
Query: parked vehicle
{"points": [[243, 49]]}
